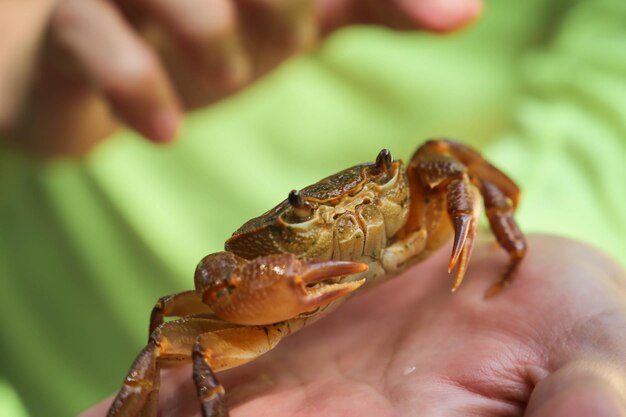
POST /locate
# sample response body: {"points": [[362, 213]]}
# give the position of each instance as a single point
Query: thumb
{"points": [[580, 389]]}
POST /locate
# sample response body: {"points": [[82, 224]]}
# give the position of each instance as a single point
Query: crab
{"points": [[297, 262]]}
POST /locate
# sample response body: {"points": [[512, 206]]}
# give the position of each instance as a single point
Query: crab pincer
{"points": [[271, 288]]}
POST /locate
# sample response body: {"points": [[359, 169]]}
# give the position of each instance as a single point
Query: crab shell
{"points": [[351, 215]]}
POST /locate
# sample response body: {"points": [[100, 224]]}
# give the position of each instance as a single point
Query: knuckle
{"points": [[213, 27], [66, 17], [131, 75]]}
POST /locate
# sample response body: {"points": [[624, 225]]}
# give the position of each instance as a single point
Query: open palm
{"points": [[551, 344]]}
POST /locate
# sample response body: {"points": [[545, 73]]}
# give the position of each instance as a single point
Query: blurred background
{"points": [[87, 245]]}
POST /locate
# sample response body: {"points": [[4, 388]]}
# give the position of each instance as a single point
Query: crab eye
{"points": [[382, 167], [383, 161], [302, 210]]}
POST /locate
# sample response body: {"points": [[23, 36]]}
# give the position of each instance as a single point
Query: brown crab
{"points": [[295, 263]]}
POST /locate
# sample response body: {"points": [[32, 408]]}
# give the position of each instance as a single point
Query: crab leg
{"points": [[211, 345], [170, 343], [176, 305], [225, 349], [141, 386], [500, 214], [478, 166]]}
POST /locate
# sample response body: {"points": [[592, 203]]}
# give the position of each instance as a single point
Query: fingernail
{"points": [[442, 15], [164, 125]]}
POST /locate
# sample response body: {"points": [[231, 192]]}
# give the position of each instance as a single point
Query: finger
{"points": [[433, 15], [206, 31], [276, 29], [580, 389], [22, 23], [439, 15], [119, 64]]}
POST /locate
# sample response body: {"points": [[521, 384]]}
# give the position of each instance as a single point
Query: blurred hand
{"points": [[144, 61], [552, 344]]}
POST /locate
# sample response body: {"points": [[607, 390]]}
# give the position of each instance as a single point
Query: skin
{"points": [[551, 344], [142, 63]]}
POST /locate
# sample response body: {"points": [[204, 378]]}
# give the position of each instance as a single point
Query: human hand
{"points": [[144, 61], [552, 344]]}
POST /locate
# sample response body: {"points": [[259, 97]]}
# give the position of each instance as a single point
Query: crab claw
{"points": [[272, 288]]}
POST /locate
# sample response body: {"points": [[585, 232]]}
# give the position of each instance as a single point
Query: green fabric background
{"points": [[87, 247]]}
